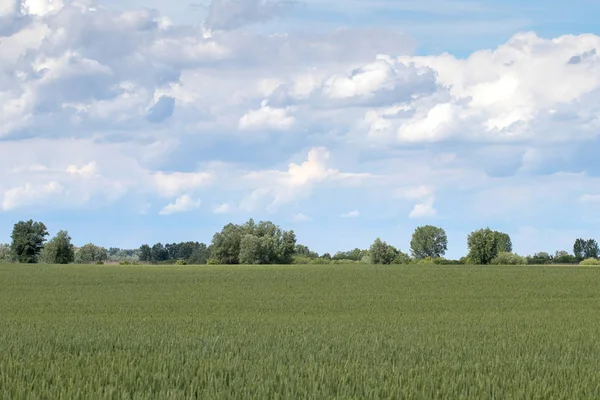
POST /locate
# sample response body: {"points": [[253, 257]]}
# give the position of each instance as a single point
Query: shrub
{"points": [[426, 260], [212, 261], [126, 262], [301, 260], [505, 258], [180, 262], [590, 261], [100, 262], [320, 261]]}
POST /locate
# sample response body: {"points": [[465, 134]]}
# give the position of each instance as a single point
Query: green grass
{"points": [[294, 332]]}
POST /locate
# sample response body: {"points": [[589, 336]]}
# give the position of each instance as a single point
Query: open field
{"points": [[347, 332]]}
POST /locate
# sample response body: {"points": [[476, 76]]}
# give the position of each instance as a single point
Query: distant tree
{"points": [[159, 253], [428, 241], [591, 249], [226, 244], [251, 251], [200, 255], [505, 258], [90, 253], [485, 244], [540, 258], [5, 253], [304, 251], [59, 249], [28, 240], [382, 253], [402, 258], [326, 256], [145, 253], [584, 249], [353, 255], [504, 244], [563, 257], [578, 249]]}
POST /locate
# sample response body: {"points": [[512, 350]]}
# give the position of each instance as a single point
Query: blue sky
{"points": [[129, 122]]}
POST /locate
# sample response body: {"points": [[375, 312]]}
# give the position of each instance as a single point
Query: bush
{"points": [[301, 260], [320, 261], [100, 262], [126, 262], [590, 261], [212, 261], [505, 258], [180, 262], [426, 260]]}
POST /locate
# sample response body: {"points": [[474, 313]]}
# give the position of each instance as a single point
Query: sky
{"points": [[129, 122]]}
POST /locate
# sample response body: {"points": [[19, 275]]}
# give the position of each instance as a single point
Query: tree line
{"points": [[266, 243]]}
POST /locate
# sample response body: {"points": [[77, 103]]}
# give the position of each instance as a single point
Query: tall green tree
{"points": [[585, 249], [382, 253], [59, 249], [28, 239], [485, 244], [428, 241], [145, 253]]}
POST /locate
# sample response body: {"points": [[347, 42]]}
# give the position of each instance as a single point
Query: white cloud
{"points": [[301, 218], [29, 194], [223, 208], [351, 214], [424, 209], [279, 187], [173, 184], [267, 118], [87, 170], [183, 203]]}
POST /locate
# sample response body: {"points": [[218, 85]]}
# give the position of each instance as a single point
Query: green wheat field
{"points": [[299, 332]]}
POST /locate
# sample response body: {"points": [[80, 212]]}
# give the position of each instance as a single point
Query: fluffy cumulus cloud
{"points": [[99, 107], [181, 204]]}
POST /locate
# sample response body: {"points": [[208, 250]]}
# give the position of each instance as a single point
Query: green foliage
{"points": [[59, 249], [352, 255], [251, 243], [5, 253], [382, 253], [180, 262], [426, 260], [540, 258], [90, 253], [28, 240], [563, 257], [590, 261], [586, 249], [485, 244], [402, 258], [506, 258], [274, 332], [428, 241], [212, 261]]}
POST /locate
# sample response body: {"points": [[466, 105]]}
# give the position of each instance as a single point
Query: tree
{"points": [[250, 250], [540, 258], [145, 253], [382, 253], [159, 253], [504, 243], [226, 244], [563, 257], [584, 249], [59, 249], [28, 240], [591, 249], [428, 241], [90, 253], [5, 254], [485, 244], [200, 255]]}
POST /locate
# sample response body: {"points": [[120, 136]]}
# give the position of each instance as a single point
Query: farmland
{"points": [[336, 331]]}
